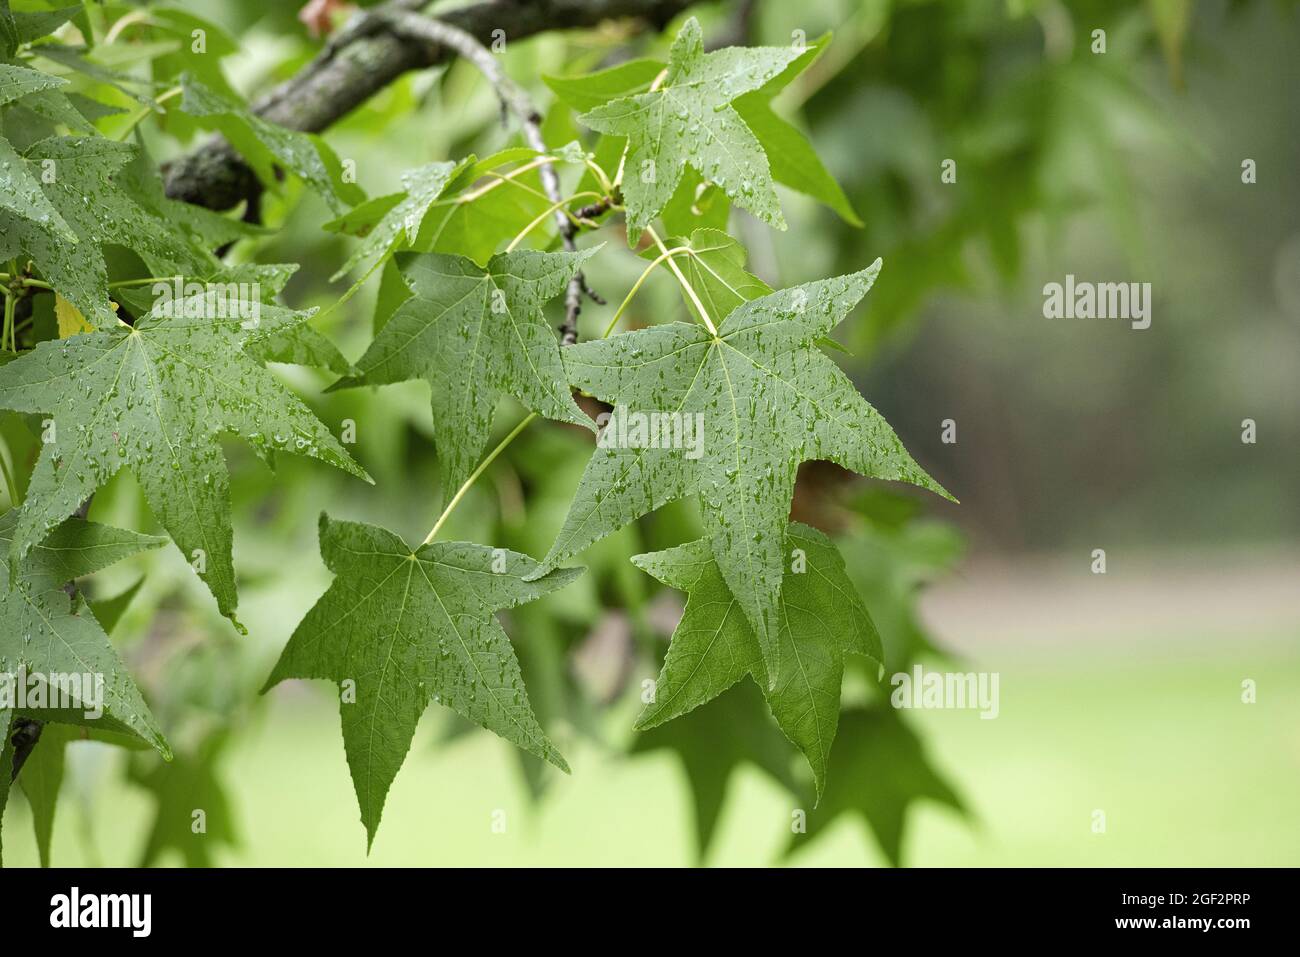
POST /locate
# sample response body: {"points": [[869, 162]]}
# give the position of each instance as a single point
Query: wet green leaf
{"points": [[21, 195], [748, 405], [689, 121], [155, 398], [85, 180], [475, 335], [715, 269], [820, 619], [401, 627], [18, 81]]}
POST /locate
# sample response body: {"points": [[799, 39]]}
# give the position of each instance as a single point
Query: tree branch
{"points": [[364, 58]]}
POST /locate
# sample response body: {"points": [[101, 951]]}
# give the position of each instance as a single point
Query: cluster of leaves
{"points": [[124, 380], [119, 382]]}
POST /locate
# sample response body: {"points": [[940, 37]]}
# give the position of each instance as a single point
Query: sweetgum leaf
{"points": [[713, 743], [40, 93], [791, 158], [156, 398], [179, 787], [409, 626], [88, 189], [820, 619], [879, 769], [765, 399], [42, 633], [688, 121], [475, 334], [56, 107]]}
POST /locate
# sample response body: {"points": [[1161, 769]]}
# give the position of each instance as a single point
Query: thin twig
{"points": [[517, 101]]}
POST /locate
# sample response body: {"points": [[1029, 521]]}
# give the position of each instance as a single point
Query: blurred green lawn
{"points": [[1185, 772]]}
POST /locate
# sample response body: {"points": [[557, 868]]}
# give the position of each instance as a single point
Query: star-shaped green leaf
{"points": [[475, 334], [42, 633], [156, 398], [790, 156], [878, 769], [688, 120], [713, 742], [744, 408], [180, 787], [820, 619], [400, 627]]}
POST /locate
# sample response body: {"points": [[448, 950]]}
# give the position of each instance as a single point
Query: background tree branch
{"points": [[367, 55]]}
